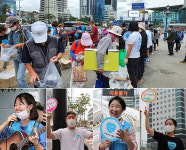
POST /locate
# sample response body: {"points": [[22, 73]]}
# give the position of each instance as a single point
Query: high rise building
{"points": [[114, 5], [99, 10], [170, 103], [54, 7], [11, 4]]}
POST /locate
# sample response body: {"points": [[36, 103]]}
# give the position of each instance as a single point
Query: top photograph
{"points": [[92, 44]]}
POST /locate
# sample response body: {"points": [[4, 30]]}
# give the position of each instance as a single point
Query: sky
{"points": [[123, 5]]}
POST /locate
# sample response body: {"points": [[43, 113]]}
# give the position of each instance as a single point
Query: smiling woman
{"points": [[18, 126]]}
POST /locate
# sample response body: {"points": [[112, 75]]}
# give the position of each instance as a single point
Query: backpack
{"points": [[178, 35]]}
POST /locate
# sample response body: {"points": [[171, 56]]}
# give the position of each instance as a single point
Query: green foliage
{"points": [[3, 18], [5, 9], [80, 104], [49, 18], [62, 20], [86, 19], [72, 18]]}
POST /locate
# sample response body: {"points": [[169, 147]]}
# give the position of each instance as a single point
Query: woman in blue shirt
{"points": [[24, 119]]}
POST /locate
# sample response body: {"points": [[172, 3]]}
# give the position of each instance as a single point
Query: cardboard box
{"points": [[65, 61], [111, 61], [2, 63]]}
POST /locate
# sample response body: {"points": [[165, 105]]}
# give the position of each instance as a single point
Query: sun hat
{"points": [[10, 20], [116, 30], [39, 32], [142, 26], [86, 39]]}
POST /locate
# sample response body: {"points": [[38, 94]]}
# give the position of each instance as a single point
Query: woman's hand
{"points": [[34, 140], [12, 118], [49, 116], [106, 143], [123, 135], [146, 112]]}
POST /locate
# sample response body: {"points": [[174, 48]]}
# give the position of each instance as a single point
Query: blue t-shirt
{"points": [[41, 137]]}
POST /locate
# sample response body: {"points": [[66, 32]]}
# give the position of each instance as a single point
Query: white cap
{"points": [[39, 32]]}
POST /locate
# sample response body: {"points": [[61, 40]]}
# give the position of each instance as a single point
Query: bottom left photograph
{"points": [[22, 119]]}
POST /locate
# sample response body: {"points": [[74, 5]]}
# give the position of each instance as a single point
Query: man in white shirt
{"points": [[71, 138]]}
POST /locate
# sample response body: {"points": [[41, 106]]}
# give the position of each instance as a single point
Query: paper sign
{"points": [[148, 95], [51, 104], [126, 35], [109, 128]]}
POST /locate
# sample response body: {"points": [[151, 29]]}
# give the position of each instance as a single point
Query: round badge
{"points": [[126, 35], [148, 95], [109, 128], [51, 104]]}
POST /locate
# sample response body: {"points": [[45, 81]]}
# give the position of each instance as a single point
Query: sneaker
{"points": [[184, 61], [148, 59]]}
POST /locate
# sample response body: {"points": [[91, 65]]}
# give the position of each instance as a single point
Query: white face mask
{"points": [[140, 30], [71, 122], [169, 128], [13, 28], [7, 32], [22, 115], [103, 28]]}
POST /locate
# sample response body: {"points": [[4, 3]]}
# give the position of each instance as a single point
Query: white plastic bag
{"points": [[8, 53], [52, 78], [68, 44]]}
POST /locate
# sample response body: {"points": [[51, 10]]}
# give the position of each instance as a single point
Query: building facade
{"points": [[11, 4], [99, 11], [170, 103]]}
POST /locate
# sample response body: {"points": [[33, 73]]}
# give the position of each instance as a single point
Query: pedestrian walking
{"points": [[149, 45], [63, 36], [178, 39], [155, 33], [40, 50], [104, 44], [133, 45], [170, 40], [143, 51], [18, 36]]}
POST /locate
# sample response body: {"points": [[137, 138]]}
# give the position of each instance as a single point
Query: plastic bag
{"points": [[122, 55], [52, 79], [68, 44], [99, 82], [79, 74], [8, 53], [122, 72], [80, 55]]}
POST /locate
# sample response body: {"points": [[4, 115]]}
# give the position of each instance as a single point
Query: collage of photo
{"points": [[93, 119]]}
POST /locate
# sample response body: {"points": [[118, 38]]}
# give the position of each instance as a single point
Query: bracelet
{"points": [[37, 144]]}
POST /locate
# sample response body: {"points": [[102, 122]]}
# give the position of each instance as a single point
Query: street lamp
{"points": [[167, 12]]}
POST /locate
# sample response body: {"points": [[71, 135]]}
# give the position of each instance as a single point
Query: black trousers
{"points": [[141, 68], [178, 45], [132, 68], [170, 47], [150, 50]]}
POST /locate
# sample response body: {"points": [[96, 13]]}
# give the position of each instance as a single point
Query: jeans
{"points": [[20, 70], [170, 47], [132, 68]]}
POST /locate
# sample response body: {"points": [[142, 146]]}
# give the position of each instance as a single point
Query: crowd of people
{"points": [[45, 44]]}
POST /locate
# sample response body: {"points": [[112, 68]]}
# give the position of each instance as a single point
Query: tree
{"points": [[3, 18], [72, 18], [85, 19], [80, 105], [63, 19], [5, 9], [49, 18]]}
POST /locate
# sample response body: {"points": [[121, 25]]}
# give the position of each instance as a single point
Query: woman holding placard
{"points": [[166, 141], [24, 120], [125, 136]]}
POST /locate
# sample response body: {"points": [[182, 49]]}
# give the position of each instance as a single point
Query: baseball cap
{"points": [[39, 32], [10, 20]]}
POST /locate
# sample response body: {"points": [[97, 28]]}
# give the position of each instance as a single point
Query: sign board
{"points": [[51, 104], [148, 95], [118, 92], [137, 5], [109, 128], [126, 35], [144, 12], [135, 14]]}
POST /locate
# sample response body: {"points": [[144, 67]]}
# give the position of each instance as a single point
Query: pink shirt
{"points": [[131, 134]]}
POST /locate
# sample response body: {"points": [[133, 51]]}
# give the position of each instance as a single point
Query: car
{"points": [[70, 28]]}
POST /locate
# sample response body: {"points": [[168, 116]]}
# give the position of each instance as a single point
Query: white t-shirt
{"points": [[71, 139], [135, 40], [149, 38]]}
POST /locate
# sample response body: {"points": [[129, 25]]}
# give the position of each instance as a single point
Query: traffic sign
{"points": [[137, 5]]}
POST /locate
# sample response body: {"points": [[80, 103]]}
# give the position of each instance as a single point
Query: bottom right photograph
{"points": [[139, 119]]}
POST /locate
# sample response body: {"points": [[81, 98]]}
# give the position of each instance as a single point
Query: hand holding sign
{"points": [[106, 143], [146, 112], [51, 104]]}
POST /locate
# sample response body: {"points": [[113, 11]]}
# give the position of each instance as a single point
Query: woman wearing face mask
{"points": [[104, 30], [24, 119], [126, 135], [133, 45], [63, 36], [166, 141]]}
